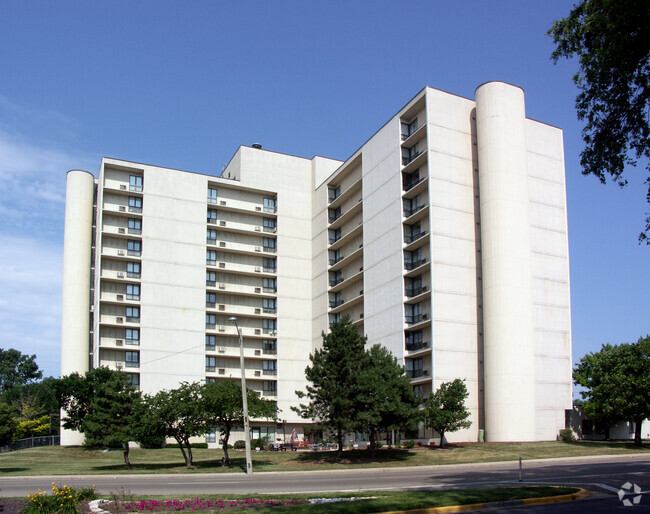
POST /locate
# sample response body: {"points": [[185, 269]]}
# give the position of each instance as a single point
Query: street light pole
{"points": [[247, 439]]}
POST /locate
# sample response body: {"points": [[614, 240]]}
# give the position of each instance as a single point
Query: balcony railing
{"points": [[270, 249], [336, 281], [417, 318], [336, 259], [415, 291], [417, 373], [335, 239], [410, 158], [410, 212], [410, 238], [270, 310], [270, 372], [269, 351], [412, 347], [335, 303], [414, 264], [412, 182], [272, 230]]}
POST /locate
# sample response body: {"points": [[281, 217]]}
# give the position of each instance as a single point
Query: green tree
{"points": [[333, 377], [616, 381], [33, 427], [102, 405], [612, 41], [179, 413], [384, 397], [8, 424], [223, 409], [17, 369], [445, 410]]}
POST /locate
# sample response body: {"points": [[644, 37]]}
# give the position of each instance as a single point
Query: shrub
{"points": [[193, 445], [239, 445], [410, 444], [64, 499], [262, 443], [567, 435]]}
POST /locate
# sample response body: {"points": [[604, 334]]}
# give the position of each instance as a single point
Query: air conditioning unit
{"points": [[425, 372], [222, 371], [122, 208], [222, 202], [258, 373], [258, 289], [258, 352], [119, 319], [222, 264], [222, 223], [258, 331], [222, 243], [222, 349], [425, 289], [258, 249], [257, 208], [272, 333], [258, 229], [222, 307], [120, 274], [121, 230], [425, 316], [123, 187], [258, 269], [258, 311], [120, 252], [120, 297], [222, 328], [222, 285], [119, 365], [119, 342]]}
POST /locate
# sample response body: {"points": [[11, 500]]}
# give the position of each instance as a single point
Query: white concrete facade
{"points": [[444, 238]]}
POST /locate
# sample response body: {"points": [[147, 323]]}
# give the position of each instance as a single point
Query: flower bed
{"points": [[193, 505]]}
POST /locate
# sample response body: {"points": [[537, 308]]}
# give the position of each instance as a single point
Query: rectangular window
{"points": [[210, 299], [269, 225], [333, 193], [413, 313], [210, 363], [135, 204], [210, 278], [269, 346], [414, 286], [270, 386], [335, 318], [210, 342], [212, 215], [132, 359], [134, 248], [133, 314], [135, 183], [334, 214], [269, 305], [210, 380], [270, 205], [135, 226], [211, 257], [409, 129], [334, 235], [270, 265], [335, 256], [269, 245], [269, 285], [133, 269], [414, 367], [211, 436], [269, 326], [419, 391], [133, 379], [269, 367], [336, 277], [336, 299], [212, 236], [132, 336], [210, 320], [132, 292], [212, 195]]}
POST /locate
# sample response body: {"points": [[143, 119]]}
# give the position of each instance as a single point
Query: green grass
{"points": [[55, 460], [384, 501]]}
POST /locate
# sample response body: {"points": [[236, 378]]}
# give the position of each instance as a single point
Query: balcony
{"points": [[271, 372], [419, 345], [412, 182], [410, 212], [342, 240], [336, 259], [408, 160], [235, 247], [344, 196], [269, 351], [411, 238], [240, 269], [344, 305], [343, 218], [241, 290], [335, 303], [415, 291], [417, 373], [411, 265], [417, 318], [341, 283]]}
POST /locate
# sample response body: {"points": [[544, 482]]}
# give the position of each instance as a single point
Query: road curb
{"points": [[581, 494]]}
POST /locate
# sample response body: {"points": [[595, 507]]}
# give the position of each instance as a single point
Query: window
{"points": [[269, 264], [409, 154], [135, 183], [412, 232], [269, 225], [211, 436], [270, 205], [333, 193], [269, 326], [270, 386], [133, 314], [132, 336], [132, 359], [269, 285], [212, 195], [269, 245], [335, 318], [336, 277], [269, 305], [336, 299], [133, 379], [334, 235], [212, 215], [335, 256], [210, 363], [334, 214], [269, 346], [414, 286], [210, 380], [210, 299], [269, 367], [210, 320], [410, 179], [134, 248], [211, 257], [132, 292], [413, 259], [135, 226], [259, 432], [419, 391], [212, 236], [414, 367], [133, 269], [413, 313], [409, 129], [210, 342], [135, 204], [411, 206]]}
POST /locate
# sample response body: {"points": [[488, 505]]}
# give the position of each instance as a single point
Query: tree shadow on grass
{"points": [[353, 457], [12, 470], [617, 444], [213, 465]]}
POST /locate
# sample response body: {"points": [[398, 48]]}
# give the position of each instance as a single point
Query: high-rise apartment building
{"points": [[444, 238]]}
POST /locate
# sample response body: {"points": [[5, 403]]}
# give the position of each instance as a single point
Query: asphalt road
{"points": [[601, 475]]}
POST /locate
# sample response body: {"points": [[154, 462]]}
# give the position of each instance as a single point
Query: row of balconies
{"points": [[244, 269], [238, 226], [239, 289], [237, 205], [236, 247]]}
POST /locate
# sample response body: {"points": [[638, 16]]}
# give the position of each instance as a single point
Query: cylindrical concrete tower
{"points": [[506, 262], [75, 309]]}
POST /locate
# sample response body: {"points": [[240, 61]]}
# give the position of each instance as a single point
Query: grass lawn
{"points": [[56, 460]]}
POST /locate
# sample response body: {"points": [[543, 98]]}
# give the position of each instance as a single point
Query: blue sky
{"points": [[183, 84]]}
